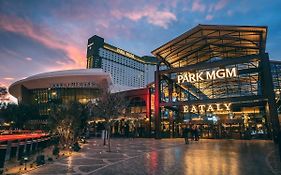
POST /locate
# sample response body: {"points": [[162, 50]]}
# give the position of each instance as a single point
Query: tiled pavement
{"points": [[170, 156]]}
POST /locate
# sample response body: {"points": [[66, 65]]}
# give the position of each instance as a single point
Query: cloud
{"points": [[197, 6], [28, 59], [220, 4], [44, 37], [209, 17], [154, 16], [229, 12], [8, 78]]}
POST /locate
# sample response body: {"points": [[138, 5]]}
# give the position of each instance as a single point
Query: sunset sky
{"points": [[47, 35]]}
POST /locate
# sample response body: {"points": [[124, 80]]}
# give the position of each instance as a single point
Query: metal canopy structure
{"points": [[204, 42], [210, 48]]}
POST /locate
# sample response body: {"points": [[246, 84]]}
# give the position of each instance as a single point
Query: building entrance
{"points": [[249, 123], [218, 78]]}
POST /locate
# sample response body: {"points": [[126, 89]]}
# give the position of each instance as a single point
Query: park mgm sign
{"points": [[188, 77], [207, 75]]}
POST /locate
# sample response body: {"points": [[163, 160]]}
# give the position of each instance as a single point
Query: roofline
{"points": [[52, 75], [199, 27], [135, 58], [162, 47], [275, 61]]}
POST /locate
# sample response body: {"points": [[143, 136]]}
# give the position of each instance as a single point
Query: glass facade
{"points": [[247, 82], [45, 98], [276, 77], [217, 78]]}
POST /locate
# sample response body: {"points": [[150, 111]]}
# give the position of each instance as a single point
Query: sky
{"points": [[49, 35]]}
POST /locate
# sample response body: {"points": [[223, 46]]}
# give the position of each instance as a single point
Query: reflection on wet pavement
{"points": [[170, 156]]}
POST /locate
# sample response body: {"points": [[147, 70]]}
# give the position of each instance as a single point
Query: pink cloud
{"points": [[209, 17], [154, 16], [44, 37], [220, 4], [28, 59], [197, 6], [8, 78]]}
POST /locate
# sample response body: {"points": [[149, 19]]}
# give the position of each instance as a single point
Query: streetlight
{"points": [[25, 160]]}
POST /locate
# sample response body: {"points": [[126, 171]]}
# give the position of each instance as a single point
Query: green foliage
{"points": [[56, 151], [3, 93], [19, 114]]}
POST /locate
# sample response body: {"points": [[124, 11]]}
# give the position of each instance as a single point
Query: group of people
{"points": [[192, 132]]}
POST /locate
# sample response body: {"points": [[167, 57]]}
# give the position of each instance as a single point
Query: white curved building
{"points": [[60, 87]]}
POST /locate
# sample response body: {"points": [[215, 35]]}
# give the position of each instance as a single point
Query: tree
{"points": [[3, 94], [19, 114], [68, 121], [108, 107]]}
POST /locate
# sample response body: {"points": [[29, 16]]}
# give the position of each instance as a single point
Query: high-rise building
{"points": [[126, 69]]}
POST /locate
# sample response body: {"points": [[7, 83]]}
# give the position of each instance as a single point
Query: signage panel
{"points": [[207, 75], [74, 85], [202, 108]]}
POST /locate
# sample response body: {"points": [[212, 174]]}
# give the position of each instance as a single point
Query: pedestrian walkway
{"points": [[16, 168], [170, 156]]}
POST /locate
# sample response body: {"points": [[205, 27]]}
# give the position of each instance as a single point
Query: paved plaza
{"points": [[170, 156]]}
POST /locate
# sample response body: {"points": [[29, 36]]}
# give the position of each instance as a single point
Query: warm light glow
{"points": [[202, 108], [207, 75]]}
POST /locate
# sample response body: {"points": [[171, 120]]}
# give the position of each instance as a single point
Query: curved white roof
{"points": [[61, 78]]}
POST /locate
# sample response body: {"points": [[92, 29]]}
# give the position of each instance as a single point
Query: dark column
{"points": [[3, 149], [21, 149], [28, 147], [268, 93], [14, 150], [17, 145], [34, 145], [157, 98], [8, 151]]}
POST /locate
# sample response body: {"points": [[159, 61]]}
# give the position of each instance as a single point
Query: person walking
{"points": [[192, 130], [185, 134], [196, 133]]}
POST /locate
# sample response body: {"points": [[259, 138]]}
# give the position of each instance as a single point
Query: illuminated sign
{"points": [[207, 75], [89, 45], [74, 85], [125, 53], [217, 107]]}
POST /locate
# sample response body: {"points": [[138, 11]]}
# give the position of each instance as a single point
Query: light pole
{"points": [[25, 161]]}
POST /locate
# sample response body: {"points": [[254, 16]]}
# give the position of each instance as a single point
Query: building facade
{"points": [[217, 77], [125, 68], [220, 79], [61, 87]]}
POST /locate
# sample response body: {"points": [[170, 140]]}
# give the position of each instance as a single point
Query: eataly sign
{"points": [[201, 108]]}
